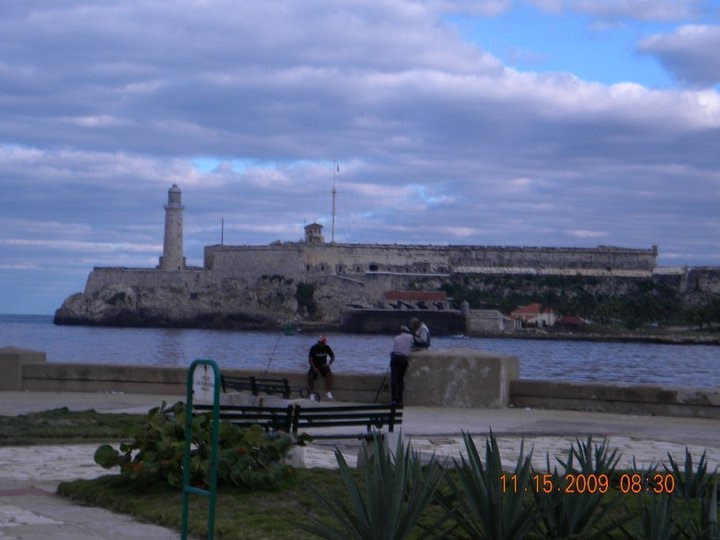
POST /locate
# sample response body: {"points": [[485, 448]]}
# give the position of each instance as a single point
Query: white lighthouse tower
{"points": [[172, 257]]}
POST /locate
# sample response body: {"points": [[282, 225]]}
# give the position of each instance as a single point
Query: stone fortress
{"points": [[264, 286]]}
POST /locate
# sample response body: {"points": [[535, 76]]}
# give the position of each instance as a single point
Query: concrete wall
{"points": [[491, 382], [617, 398], [459, 378], [12, 366], [56, 377]]}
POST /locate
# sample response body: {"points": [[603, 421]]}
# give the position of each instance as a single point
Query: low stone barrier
{"points": [[12, 363], [435, 378], [459, 378], [57, 377], [620, 398]]}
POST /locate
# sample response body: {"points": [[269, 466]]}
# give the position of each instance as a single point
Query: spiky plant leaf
{"points": [[480, 505], [692, 482], [396, 491], [569, 515]]}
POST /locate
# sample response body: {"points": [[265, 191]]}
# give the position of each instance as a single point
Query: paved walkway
{"points": [[29, 476]]}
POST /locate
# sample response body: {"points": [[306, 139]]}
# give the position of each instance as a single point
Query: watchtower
{"points": [[313, 234], [172, 257]]}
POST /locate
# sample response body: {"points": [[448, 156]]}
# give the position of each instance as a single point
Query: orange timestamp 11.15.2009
{"points": [[579, 483]]}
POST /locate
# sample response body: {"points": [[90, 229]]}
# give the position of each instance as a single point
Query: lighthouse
{"points": [[172, 257]]}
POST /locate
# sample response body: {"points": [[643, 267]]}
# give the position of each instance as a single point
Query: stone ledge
{"points": [[12, 364], [57, 377], [459, 378], [617, 398], [365, 388]]}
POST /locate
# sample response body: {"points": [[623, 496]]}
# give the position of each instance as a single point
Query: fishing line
{"points": [[272, 355], [382, 384]]}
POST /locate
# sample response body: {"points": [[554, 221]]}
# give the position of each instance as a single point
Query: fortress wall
{"points": [[102, 280], [105, 279], [299, 259], [357, 259], [255, 261], [549, 271], [262, 280], [543, 257], [703, 280]]}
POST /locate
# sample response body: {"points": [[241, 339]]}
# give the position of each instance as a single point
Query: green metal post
{"points": [[210, 493]]}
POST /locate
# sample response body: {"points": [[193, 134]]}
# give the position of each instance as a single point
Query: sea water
{"points": [[559, 360]]}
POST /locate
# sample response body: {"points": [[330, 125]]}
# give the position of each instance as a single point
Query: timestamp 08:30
{"points": [[627, 483]]}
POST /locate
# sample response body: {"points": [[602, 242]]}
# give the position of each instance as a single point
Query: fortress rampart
{"points": [[253, 286], [258, 286], [297, 260]]}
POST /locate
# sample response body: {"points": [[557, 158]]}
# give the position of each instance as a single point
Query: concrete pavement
{"points": [[29, 476]]}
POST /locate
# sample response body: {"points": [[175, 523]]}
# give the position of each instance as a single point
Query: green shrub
{"points": [[246, 457]]}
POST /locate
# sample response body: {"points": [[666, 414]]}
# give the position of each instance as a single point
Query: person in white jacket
{"points": [[421, 334], [402, 347]]}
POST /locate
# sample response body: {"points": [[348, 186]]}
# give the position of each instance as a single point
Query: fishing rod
{"points": [[382, 384], [272, 355]]}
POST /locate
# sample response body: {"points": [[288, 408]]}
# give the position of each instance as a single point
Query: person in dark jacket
{"points": [[320, 357]]}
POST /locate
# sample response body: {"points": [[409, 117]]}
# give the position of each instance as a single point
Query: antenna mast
{"points": [[336, 168]]}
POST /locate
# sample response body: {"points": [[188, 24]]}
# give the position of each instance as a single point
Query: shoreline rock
{"points": [[672, 339]]}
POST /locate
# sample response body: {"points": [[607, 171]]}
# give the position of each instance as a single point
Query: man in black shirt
{"points": [[319, 365]]}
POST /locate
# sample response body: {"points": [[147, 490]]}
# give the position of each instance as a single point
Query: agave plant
{"points": [[591, 458], [657, 521], [482, 505], [397, 489], [567, 515], [709, 521], [706, 528], [647, 471], [692, 482]]}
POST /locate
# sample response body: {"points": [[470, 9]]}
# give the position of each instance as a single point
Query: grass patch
{"points": [[63, 426], [243, 514], [240, 514]]}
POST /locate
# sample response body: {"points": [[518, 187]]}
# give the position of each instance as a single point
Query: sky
{"points": [[570, 123]]}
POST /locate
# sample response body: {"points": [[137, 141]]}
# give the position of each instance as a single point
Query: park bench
{"points": [[256, 385], [315, 420], [269, 418], [371, 417]]}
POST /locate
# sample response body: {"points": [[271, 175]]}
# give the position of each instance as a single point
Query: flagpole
{"points": [[336, 168]]}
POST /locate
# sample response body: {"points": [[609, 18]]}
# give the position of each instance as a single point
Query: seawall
{"points": [[25, 370]]}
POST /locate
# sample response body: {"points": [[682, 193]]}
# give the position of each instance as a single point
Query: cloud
{"points": [[643, 10], [689, 53], [473, 7], [89, 247], [587, 234], [247, 106]]}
